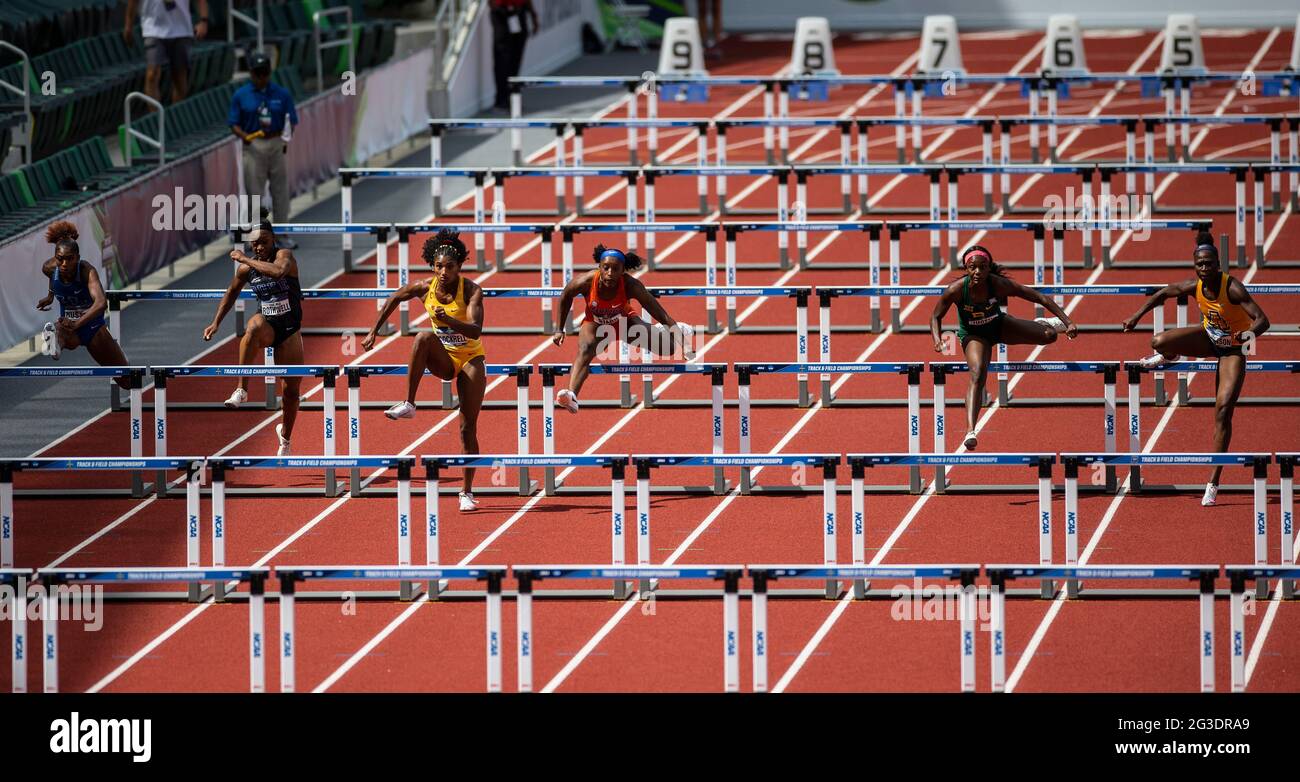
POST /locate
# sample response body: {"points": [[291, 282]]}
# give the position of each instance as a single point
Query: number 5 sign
{"points": [[1182, 52]]}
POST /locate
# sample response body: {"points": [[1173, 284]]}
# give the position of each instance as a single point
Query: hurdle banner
{"points": [[763, 575], [255, 577], [827, 463], [19, 646], [801, 228], [910, 370], [730, 575], [631, 229], [800, 294], [1204, 575], [1238, 576], [1135, 371], [345, 227], [192, 466], [290, 576]]}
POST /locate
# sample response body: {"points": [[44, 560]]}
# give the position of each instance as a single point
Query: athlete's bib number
{"points": [[275, 307], [70, 314], [451, 339], [1218, 336]]}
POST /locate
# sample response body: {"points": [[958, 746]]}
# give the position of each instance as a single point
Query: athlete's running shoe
{"points": [[467, 502], [1055, 323], [284, 441], [568, 400], [401, 410], [236, 399], [971, 440], [1155, 360], [1211, 495]]}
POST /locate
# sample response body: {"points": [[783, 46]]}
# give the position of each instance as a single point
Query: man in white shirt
{"points": [[168, 33]]}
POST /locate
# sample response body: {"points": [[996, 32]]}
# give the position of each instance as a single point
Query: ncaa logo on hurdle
{"points": [[135, 428], [1207, 644], [1045, 521], [19, 653], [257, 644], [494, 644], [967, 643], [354, 427], [218, 526], [938, 424], [830, 523], [1070, 518], [643, 520], [548, 424], [1286, 523], [1110, 424], [744, 426], [717, 426], [194, 525], [1133, 425], [731, 643], [329, 427], [618, 523], [49, 647], [760, 643], [6, 524], [1260, 523], [857, 522], [161, 431], [525, 644], [402, 525], [523, 426], [1238, 643], [433, 524], [914, 425], [997, 642]]}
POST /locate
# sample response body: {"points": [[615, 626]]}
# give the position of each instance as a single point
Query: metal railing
{"points": [[347, 41], [451, 28], [26, 93], [160, 143], [255, 23]]}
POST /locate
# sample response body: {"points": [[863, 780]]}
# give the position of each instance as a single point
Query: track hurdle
{"points": [[762, 575], [827, 463], [290, 576], [631, 229], [54, 578], [632, 84], [801, 229], [730, 575], [356, 372], [1135, 372], [1258, 462], [1238, 576], [14, 581], [799, 293], [497, 228], [434, 465], [1204, 575], [191, 465], [912, 371], [1286, 494], [134, 377]]}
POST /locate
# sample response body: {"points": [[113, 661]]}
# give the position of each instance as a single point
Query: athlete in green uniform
{"points": [[979, 296]]}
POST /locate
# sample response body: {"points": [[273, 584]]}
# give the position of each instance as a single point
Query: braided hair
{"points": [[446, 243], [631, 261]]}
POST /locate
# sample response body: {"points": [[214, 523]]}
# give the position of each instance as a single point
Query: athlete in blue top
{"points": [[82, 302], [272, 276]]}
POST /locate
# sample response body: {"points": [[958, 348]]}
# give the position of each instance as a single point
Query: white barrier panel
{"points": [[1064, 51], [813, 54], [940, 48], [681, 53], [1182, 51]]}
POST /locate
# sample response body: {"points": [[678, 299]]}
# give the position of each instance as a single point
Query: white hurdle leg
{"points": [[1287, 496], [731, 634], [194, 478], [524, 623], [494, 634], [758, 608], [829, 523], [50, 625], [967, 650], [256, 635], [1206, 651], [288, 639], [997, 634], [19, 649], [1236, 610], [6, 521]]}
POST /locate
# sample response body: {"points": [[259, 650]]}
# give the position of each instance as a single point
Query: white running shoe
{"points": [[971, 441], [568, 400], [284, 441], [50, 341], [467, 502], [236, 399], [1211, 495], [1156, 360], [1055, 323], [401, 410]]}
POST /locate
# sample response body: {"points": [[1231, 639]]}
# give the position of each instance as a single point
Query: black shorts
{"points": [[990, 332], [174, 52], [285, 326], [1221, 351]]}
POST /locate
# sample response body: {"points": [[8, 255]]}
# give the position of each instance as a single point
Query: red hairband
{"points": [[974, 253]]}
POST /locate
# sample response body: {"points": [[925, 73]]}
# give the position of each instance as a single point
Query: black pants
{"points": [[507, 53]]}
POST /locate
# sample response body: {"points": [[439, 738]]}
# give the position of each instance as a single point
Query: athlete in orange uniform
{"points": [[454, 349], [1230, 319], [609, 292]]}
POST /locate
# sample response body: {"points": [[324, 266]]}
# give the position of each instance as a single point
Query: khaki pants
{"points": [[265, 159]]}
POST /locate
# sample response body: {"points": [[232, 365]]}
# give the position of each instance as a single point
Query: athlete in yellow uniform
{"points": [[454, 349], [1230, 323]]}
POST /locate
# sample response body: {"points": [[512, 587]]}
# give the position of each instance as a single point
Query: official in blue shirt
{"points": [[263, 116]]}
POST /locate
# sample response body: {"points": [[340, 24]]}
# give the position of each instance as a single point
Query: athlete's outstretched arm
{"points": [[941, 307], [285, 265], [576, 285], [1237, 294], [1030, 294], [227, 301], [638, 291], [409, 291], [1184, 288]]}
